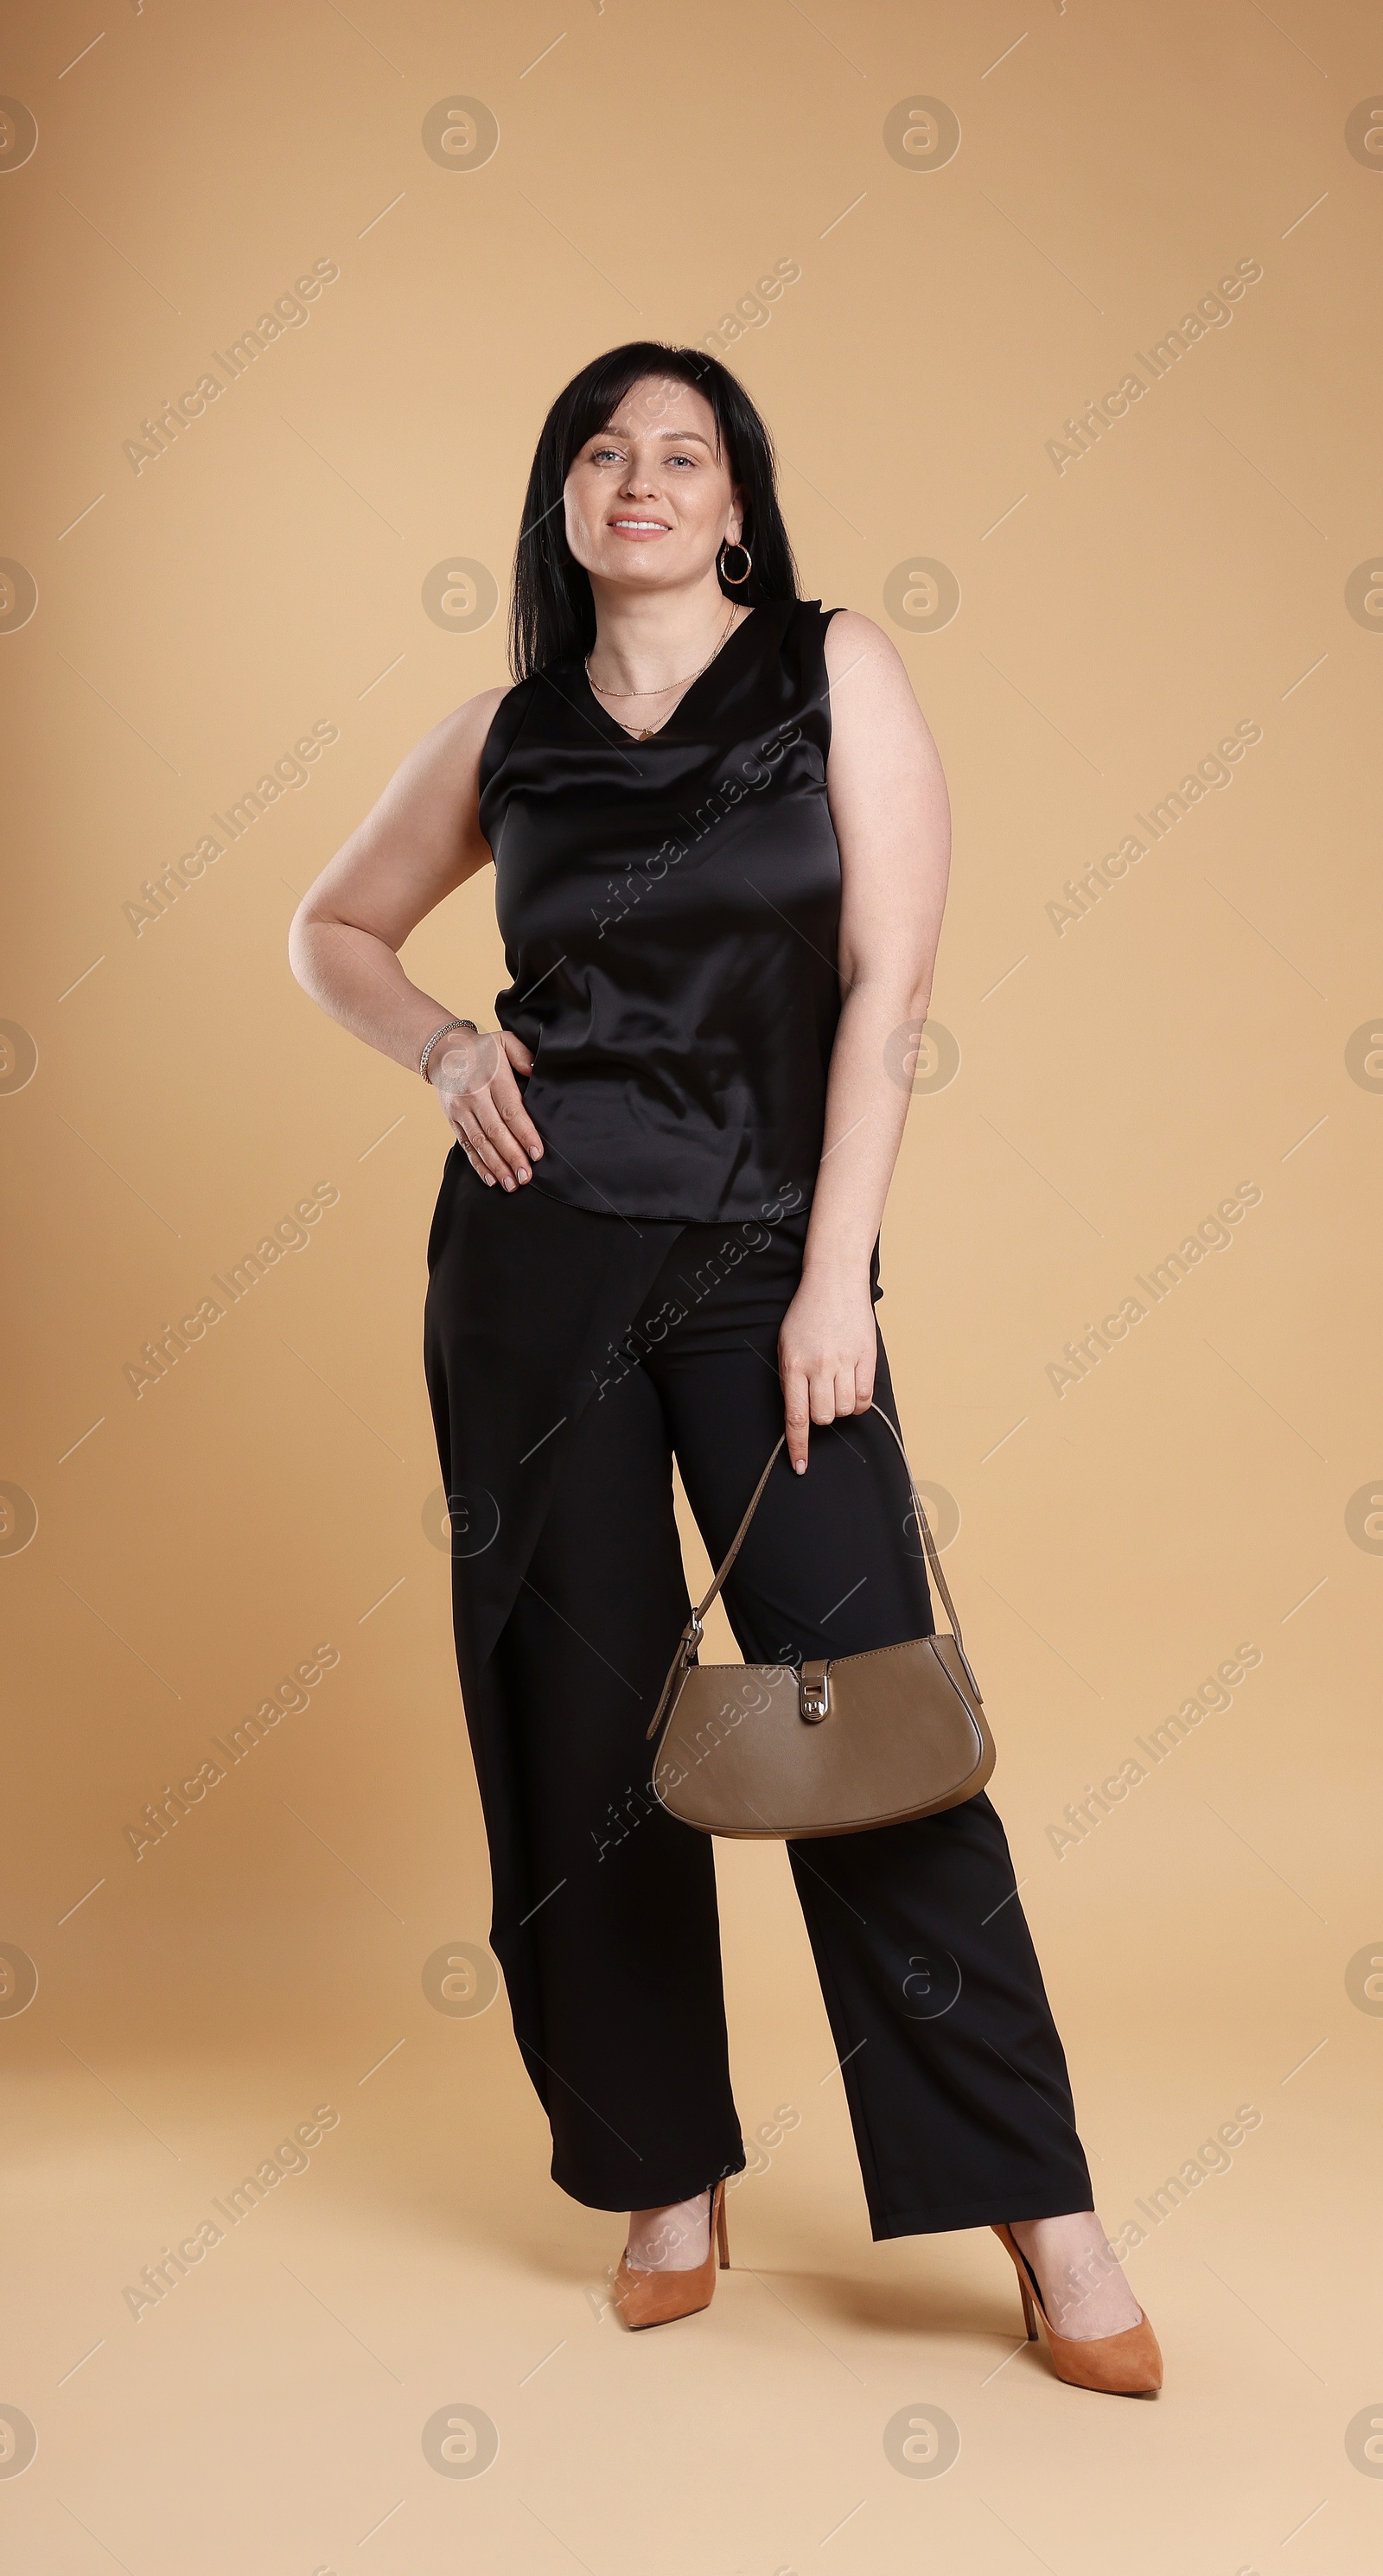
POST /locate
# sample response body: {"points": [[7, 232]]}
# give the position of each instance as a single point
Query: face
{"points": [[649, 499]]}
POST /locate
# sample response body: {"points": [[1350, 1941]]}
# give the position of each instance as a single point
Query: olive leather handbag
{"points": [[765, 1752]]}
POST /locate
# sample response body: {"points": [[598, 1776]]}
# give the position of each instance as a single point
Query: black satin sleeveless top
{"points": [[670, 912]]}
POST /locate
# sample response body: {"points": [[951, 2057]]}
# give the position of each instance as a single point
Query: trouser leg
{"points": [[631, 2056], [952, 2066]]}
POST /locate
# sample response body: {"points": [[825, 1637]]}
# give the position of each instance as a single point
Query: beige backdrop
{"points": [[979, 221]]}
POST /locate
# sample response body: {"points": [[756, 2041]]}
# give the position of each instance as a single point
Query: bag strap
{"points": [[692, 1633], [928, 1541]]}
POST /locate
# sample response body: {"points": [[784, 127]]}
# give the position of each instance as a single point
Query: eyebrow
{"points": [[681, 436]]}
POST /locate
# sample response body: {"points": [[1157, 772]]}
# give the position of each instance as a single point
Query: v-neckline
{"points": [[716, 659]]}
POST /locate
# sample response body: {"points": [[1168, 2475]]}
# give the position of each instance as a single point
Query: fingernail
{"points": [[801, 1467], [537, 1153], [508, 1185], [523, 1175]]}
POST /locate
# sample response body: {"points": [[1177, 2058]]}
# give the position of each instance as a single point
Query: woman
{"points": [[720, 836]]}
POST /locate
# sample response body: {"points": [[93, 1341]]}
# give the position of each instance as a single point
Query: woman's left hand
{"points": [[828, 1348]]}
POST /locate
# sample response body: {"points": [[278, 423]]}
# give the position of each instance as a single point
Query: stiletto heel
{"points": [[656, 2298], [1119, 2365]]}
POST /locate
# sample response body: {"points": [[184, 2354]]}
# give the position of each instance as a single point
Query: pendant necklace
{"points": [[647, 732]]}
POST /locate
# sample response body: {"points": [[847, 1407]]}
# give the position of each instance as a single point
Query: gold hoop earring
{"points": [[735, 579]]}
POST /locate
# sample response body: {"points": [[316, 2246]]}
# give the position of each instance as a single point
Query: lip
{"points": [[636, 528]]}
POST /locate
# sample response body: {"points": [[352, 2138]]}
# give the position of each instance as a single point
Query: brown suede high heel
{"points": [[655, 2298], [1121, 2365]]}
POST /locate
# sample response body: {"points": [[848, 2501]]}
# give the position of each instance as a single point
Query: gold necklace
{"points": [[649, 730]]}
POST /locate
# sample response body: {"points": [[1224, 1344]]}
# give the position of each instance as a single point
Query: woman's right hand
{"points": [[473, 1072]]}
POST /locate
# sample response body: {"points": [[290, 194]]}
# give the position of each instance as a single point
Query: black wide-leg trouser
{"points": [[953, 2070]]}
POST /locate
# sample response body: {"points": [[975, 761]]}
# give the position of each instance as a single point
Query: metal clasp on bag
{"points": [[814, 1693], [692, 1635]]}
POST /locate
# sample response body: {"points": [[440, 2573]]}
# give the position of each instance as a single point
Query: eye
{"points": [[599, 455], [681, 460]]}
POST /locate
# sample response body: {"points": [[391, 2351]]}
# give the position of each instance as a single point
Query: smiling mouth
{"points": [[632, 527]]}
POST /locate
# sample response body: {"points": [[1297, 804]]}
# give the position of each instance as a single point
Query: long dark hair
{"points": [[552, 612]]}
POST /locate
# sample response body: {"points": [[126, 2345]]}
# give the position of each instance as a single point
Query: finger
{"points": [[477, 1145], [864, 1383], [478, 1168], [509, 1159], [796, 1419], [821, 1387], [500, 1138], [472, 1148], [508, 1100], [516, 1051], [845, 1391]]}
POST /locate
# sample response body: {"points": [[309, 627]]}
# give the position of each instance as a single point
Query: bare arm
{"points": [[421, 841], [892, 818]]}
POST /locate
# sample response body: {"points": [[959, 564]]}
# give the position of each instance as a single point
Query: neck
{"points": [[648, 640]]}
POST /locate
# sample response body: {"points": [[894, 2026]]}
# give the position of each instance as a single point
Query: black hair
{"points": [[552, 611]]}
